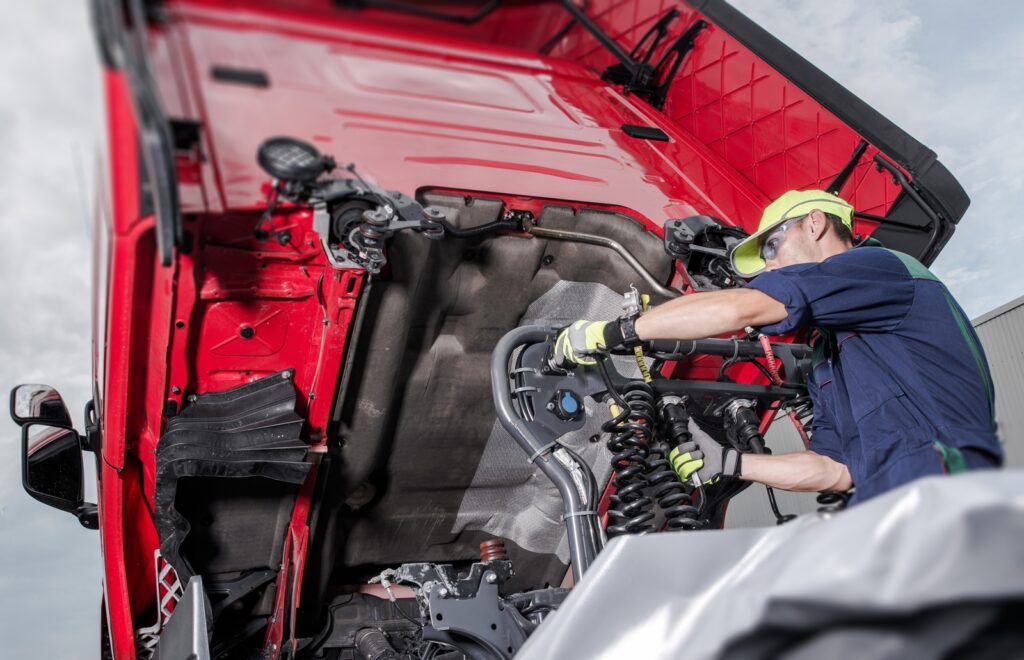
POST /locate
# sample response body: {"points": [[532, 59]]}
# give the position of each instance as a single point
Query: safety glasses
{"points": [[771, 244]]}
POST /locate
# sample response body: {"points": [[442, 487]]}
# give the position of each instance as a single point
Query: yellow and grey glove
{"points": [[581, 341], [705, 457]]}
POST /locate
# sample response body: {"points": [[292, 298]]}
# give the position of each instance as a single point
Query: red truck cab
{"points": [[293, 337]]}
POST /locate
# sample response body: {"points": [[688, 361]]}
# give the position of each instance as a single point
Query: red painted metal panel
{"points": [[125, 224], [754, 120], [386, 100]]}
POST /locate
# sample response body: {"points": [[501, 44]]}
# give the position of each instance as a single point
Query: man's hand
{"points": [[581, 340], [705, 457]]}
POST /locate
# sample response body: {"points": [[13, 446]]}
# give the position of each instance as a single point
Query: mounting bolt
{"points": [[490, 578], [548, 260], [191, 398], [442, 592], [286, 375], [175, 390], [551, 405], [246, 332]]}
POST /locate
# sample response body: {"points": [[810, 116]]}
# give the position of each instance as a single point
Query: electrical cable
{"points": [[479, 230], [757, 363]]}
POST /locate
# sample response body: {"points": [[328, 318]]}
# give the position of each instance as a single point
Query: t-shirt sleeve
{"points": [[862, 290]]}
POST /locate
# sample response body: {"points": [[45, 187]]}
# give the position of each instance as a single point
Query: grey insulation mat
{"points": [[415, 411], [933, 569], [511, 498]]}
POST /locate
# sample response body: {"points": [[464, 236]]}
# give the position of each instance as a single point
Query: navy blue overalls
{"points": [[900, 386]]}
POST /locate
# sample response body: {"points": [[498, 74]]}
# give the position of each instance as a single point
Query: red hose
{"points": [[773, 369]]}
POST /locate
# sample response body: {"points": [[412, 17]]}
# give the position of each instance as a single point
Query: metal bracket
{"points": [[468, 610]]}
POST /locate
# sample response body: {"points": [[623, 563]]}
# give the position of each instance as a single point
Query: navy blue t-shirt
{"points": [[897, 366]]}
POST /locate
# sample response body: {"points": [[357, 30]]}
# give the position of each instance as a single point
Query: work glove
{"points": [[705, 457], [580, 341]]}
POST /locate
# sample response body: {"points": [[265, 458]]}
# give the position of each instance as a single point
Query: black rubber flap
{"points": [[251, 431]]}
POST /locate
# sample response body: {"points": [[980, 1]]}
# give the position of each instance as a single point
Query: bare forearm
{"points": [[800, 471], [701, 315]]}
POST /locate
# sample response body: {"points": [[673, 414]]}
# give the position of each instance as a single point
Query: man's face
{"points": [[788, 244]]}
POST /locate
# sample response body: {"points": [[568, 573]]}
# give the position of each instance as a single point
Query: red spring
{"points": [[493, 550]]}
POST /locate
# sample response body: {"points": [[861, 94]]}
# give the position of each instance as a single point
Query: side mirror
{"points": [[52, 465], [51, 452], [38, 404]]}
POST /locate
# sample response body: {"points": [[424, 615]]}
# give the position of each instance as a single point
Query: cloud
{"points": [[52, 107], [949, 78]]}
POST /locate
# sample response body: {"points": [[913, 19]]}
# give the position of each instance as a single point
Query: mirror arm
{"points": [[88, 515], [91, 440]]}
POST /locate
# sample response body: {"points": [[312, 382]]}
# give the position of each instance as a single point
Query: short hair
{"points": [[843, 232]]}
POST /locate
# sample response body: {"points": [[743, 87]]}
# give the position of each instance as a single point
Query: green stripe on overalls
{"points": [[952, 458], [918, 271]]}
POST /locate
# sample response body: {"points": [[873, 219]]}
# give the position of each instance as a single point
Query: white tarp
{"points": [[933, 567]]}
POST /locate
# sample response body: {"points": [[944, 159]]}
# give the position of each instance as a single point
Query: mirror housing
{"points": [[52, 465], [51, 452], [42, 404]]}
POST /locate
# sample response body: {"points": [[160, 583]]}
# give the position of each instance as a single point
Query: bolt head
{"points": [[490, 578], [442, 592]]}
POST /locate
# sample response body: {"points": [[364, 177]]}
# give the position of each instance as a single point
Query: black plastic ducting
{"points": [[227, 471]]}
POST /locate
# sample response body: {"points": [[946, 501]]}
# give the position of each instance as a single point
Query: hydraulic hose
{"points": [[746, 424], [581, 521]]}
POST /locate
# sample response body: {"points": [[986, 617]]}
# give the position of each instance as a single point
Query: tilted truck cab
{"points": [[324, 217]]}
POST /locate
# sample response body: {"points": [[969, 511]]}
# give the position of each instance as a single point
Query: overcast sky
{"points": [[951, 74]]}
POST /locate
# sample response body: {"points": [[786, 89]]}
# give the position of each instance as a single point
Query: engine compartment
{"points": [[430, 532], [414, 443]]}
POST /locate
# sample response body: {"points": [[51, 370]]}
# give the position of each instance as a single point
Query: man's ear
{"points": [[818, 224]]}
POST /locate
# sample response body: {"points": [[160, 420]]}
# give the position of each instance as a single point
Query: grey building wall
{"points": [[1001, 332]]}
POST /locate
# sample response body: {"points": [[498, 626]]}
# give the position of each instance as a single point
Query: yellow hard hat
{"points": [[746, 257]]}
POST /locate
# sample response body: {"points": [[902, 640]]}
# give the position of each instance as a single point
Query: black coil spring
{"points": [[671, 494], [832, 502], [631, 509]]}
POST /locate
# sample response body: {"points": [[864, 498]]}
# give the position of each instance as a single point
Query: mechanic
{"points": [[900, 385]]}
